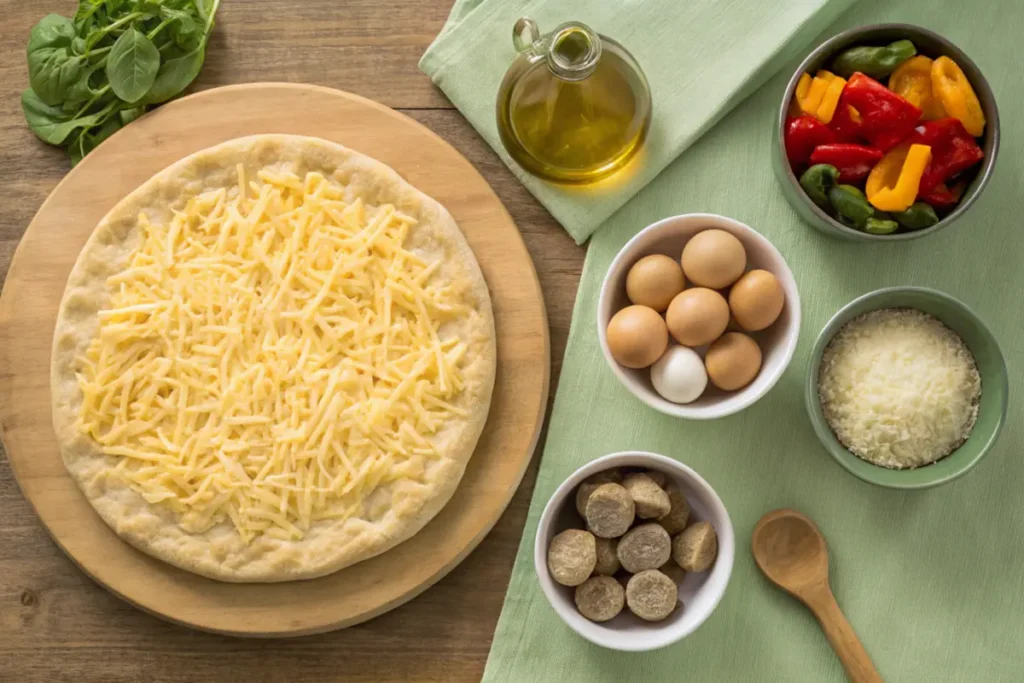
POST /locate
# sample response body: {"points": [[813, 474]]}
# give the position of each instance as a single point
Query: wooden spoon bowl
{"points": [[790, 550]]}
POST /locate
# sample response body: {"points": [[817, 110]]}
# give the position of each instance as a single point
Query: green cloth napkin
{"points": [[701, 57], [931, 580]]}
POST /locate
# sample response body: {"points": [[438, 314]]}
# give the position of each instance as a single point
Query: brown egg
{"points": [[654, 281], [637, 336], [697, 316], [756, 300], [733, 361], [714, 259]]}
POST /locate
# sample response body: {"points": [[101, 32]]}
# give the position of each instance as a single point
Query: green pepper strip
{"points": [[919, 215], [876, 226], [877, 62], [817, 181], [850, 203]]}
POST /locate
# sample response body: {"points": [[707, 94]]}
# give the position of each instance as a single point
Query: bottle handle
{"points": [[572, 50], [525, 34]]}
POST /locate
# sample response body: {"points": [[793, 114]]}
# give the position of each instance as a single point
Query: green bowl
{"points": [[994, 387], [928, 43]]}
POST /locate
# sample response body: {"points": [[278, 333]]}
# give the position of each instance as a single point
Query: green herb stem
{"points": [[160, 27], [117, 24], [99, 93], [97, 52], [107, 87]]}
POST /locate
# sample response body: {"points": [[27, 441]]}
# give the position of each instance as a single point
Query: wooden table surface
{"points": [[56, 625]]}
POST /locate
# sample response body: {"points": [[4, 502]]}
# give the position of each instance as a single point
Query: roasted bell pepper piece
{"points": [[880, 226], [846, 122], [939, 197], [893, 183], [830, 100], [851, 204], [877, 62], [953, 150], [854, 162], [912, 80], [803, 134], [953, 89], [943, 197], [917, 216], [886, 118], [818, 96], [817, 181], [809, 92]]}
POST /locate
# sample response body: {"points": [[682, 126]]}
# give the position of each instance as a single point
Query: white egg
{"points": [[679, 375]]}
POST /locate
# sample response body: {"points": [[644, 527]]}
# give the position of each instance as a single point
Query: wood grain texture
{"points": [[791, 551], [57, 625], [36, 282]]}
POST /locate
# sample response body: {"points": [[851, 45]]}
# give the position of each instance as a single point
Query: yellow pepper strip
{"points": [[953, 89], [830, 99], [812, 100], [893, 183], [803, 86], [912, 80], [819, 96]]}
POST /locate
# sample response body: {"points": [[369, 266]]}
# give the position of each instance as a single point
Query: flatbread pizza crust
{"points": [[329, 545]]}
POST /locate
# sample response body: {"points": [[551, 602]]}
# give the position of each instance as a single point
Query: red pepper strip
{"points": [[803, 134], [940, 197], [886, 140], [850, 175], [846, 122], [943, 197], [953, 150], [853, 161], [931, 133], [886, 118]]}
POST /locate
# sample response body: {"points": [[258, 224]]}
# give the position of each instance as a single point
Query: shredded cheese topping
{"points": [[899, 388], [271, 356]]}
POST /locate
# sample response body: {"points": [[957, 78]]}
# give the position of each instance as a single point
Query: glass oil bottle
{"points": [[575, 106]]}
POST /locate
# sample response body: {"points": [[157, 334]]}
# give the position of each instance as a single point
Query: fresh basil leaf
{"points": [[206, 9], [87, 139], [132, 65], [51, 124], [86, 10], [150, 7], [52, 68], [52, 72], [175, 75], [52, 30], [184, 30], [129, 115], [202, 9], [81, 90]]}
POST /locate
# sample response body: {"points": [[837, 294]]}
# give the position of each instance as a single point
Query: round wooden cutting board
{"points": [[28, 310]]}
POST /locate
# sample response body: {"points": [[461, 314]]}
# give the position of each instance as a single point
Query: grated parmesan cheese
{"points": [[898, 388], [271, 356]]}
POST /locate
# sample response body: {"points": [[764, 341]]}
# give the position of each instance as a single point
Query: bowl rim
{"points": [[817, 417], [724, 561], [830, 46], [683, 410]]}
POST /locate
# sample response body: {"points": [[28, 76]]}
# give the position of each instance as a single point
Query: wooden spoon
{"points": [[792, 553]]}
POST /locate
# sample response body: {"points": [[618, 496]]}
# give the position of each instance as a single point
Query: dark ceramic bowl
{"points": [[929, 44]]}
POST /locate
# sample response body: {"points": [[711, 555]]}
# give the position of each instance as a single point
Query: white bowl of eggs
{"points": [[698, 316]]}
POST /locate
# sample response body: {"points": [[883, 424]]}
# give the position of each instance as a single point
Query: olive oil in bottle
{"points": [[575, 106]]}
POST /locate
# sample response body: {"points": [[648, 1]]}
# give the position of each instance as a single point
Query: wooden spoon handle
{"points": [[855, 659]]}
